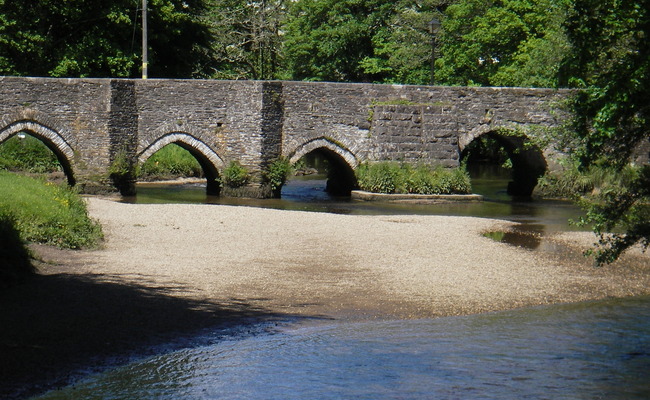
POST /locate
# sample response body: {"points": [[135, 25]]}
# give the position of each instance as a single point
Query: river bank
{"points": [[170, 271]]}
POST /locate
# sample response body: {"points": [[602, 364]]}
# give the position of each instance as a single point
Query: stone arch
{"points": [[528, 161], [51, 138], [207, 158], [325, 143], [341, 178]]}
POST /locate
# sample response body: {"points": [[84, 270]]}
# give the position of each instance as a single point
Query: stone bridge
{"points": [[92, 125]]}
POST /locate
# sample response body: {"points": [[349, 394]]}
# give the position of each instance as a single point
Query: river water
{"points": [[307, 194], [535, 218], [591, 350]]}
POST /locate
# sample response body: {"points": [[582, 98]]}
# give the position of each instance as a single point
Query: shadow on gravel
{"points": [[58, 327]]}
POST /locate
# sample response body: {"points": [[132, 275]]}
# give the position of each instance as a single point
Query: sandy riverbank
{"points": [[169, 271]]}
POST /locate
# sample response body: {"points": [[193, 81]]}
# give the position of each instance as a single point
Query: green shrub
{"points": [[27, 154], [15, 258], [452, 181], [383, 177], [277, 173], [418, 180], [47, 213], [392, 177], [235, 175], [172, 161]]}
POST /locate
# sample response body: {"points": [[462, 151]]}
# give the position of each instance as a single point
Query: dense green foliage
{"points": [[47, 213], [392, 177], [15, 258], [235, 175], [328, 39], [486, 149], [502, 43], [172, 161], [101, 38], [332, 40], [612, 116], [246, 38], [27, 154]]}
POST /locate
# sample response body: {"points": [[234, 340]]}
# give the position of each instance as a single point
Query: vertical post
{"points": [[434, 27], [262, 39], [145, 44], [433, 60]]}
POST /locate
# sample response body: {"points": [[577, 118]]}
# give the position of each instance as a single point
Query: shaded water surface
{"points": [[593, 350]]}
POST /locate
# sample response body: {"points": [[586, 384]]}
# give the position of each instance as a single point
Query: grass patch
{"points": [[172, 161], [573, 183], [393, 177], [47, 213]]}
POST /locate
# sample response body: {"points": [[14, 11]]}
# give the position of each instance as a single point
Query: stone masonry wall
{"points": [[409, 123], [69, 113], [253, 122]]}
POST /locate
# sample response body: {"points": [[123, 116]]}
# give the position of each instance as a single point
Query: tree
{"points": [[246, 40], [402, 51], [611, 60], [101, 38], [326, 40], [502, 43]]}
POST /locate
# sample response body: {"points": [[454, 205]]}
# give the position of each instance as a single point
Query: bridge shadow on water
{"points": [[59, 327]]}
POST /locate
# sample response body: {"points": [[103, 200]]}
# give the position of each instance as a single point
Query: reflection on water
{"points": [[594, 350]]}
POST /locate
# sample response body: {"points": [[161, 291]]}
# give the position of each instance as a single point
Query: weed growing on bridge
{"points": [[47, 213], [235, 175], [393, 177], [123, 172], [277, 173]]}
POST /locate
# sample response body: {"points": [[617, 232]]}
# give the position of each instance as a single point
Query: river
{"points": [[590, 350]]}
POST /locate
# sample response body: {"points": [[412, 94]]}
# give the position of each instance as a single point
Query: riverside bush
{"points": [[392, 177], [383, 177], [47, 213], [572, 183]]}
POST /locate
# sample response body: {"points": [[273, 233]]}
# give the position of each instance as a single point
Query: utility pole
{"points": [[145, 44], [434, 27]]}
